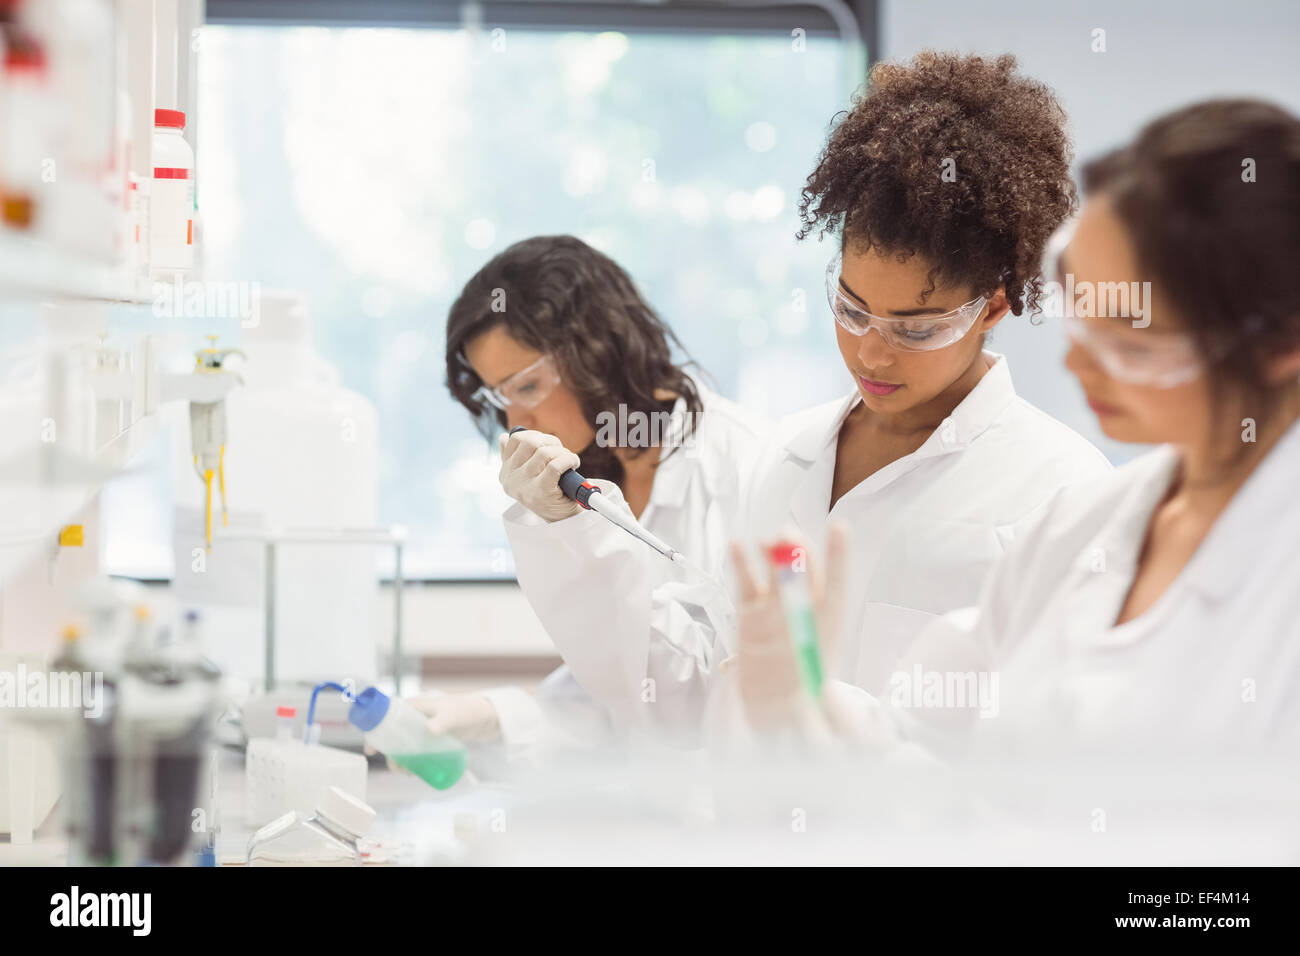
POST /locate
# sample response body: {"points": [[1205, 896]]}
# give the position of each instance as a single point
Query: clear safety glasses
{"points": [[525, 389], [914, 334], [1135, 355]]}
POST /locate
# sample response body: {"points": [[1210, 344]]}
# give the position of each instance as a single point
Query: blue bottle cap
{"points": [[368, 709]]}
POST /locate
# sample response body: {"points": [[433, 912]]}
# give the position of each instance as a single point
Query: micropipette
{"points": [[589, 497]]}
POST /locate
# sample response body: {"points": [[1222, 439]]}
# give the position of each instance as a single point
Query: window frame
{"points": [[823, 18]]}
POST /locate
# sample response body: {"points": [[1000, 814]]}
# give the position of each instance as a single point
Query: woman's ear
{"points": [[998, 307]]}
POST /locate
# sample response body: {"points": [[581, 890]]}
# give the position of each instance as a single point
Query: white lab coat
{"points": [[584, 576], [926, 529], [924, 532], [1212, 667]]}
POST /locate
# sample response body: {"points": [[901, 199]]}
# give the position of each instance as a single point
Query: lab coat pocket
{"points": [[888, 632], [935, 564]]}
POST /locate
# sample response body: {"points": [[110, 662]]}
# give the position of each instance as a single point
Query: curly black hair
{"points": [[577, 304], [1001, 137]]}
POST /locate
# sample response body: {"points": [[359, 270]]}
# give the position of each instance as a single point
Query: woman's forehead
{"points": [[1100, 245], [890, 282], [495, 355]]}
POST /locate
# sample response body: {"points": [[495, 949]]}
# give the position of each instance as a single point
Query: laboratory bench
{"points": [[413, 823]]}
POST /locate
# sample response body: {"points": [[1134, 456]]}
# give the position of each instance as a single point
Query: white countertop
{"points": [[414, 822]]}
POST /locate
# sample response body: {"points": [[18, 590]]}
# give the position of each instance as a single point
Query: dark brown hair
{"points": [[566, 299], [1210, 195], [880, 181]]}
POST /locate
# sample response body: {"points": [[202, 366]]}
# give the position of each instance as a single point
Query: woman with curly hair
{"points": [[554, 336], [943, 183], [1154, 612]]}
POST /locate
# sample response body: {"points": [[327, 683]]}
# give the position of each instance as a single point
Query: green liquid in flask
{"points": [[439, 770]]}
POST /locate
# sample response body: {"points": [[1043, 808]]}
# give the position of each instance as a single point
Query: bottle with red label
{"points": [[171, 201]]}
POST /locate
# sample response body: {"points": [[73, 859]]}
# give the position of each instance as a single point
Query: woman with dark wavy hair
{"points": [[559, 327], [554, 336]]}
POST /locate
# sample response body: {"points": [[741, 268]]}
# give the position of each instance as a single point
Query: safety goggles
{"points": [[1135, 355], [525, 389], [914, 334]]}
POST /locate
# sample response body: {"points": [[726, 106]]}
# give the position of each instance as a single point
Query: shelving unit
{"points": [[31, 268], [45, 285], [44, 508]]}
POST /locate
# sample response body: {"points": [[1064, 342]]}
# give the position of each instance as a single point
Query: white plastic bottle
{"points": [[24, 133], [139, 258], [79, 38], [284, 721], [302, 451], [329, 837], [171, 200], [401, 733]]}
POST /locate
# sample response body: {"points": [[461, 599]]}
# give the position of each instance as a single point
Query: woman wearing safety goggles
{"points": [[1152, 612], [553, 335], [931, 458], [1116, 330], [923, 330]]}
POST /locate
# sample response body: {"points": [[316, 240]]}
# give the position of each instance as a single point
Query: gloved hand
{"points": [[767, 673], [531, 465], [470, 718]]}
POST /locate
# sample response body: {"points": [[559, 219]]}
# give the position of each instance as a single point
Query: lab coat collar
{"points": [[973, 415], [671, 478], [1105, 566], [1263, 507], [810, 444], [677, 462]]}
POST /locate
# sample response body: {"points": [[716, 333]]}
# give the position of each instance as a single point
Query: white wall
{"points": [[1160, 54], [464, 620]]}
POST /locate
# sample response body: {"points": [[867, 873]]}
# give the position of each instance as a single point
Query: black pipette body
{"points": [[572, 483]]}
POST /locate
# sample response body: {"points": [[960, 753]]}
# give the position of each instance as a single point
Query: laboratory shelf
{"points": [[32, 267], [44, 491]]}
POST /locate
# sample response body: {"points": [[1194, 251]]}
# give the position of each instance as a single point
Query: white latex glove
{"points": [[470, 718], [531, 465], [771, 690]]}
